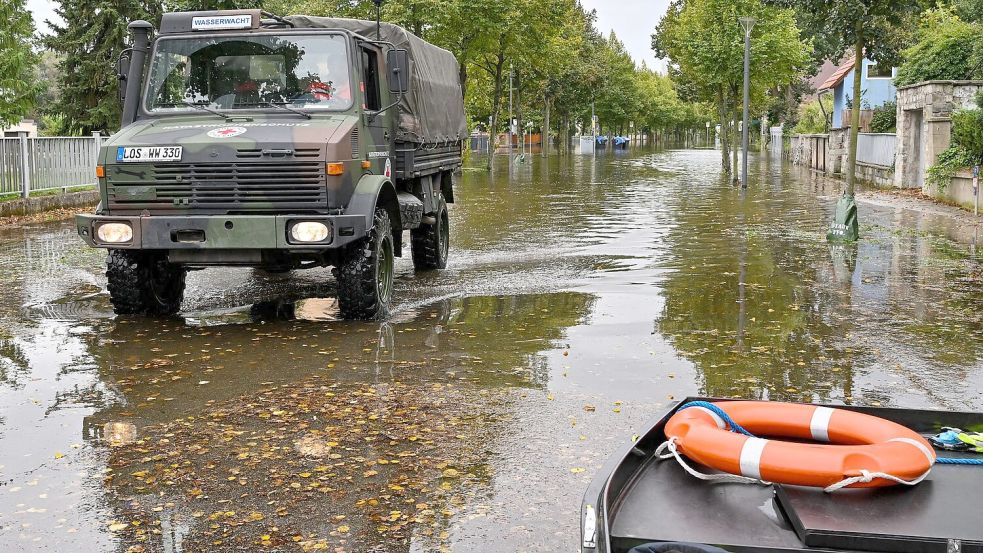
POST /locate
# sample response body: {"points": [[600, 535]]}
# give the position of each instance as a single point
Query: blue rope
{"points": [[734, 427], [958, 461]]}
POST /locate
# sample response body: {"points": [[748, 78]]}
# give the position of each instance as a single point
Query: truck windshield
{"points": [[249, 72]]}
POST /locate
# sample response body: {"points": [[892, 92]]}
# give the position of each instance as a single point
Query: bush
{"points": [[885, 118], [947, 48], [951, 160], [811, 117], [967, 131]]}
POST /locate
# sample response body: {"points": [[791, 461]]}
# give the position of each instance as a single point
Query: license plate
{"points": [[148, 153]]}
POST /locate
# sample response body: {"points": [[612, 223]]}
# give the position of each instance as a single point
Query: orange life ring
{"points": [[857, 445]]}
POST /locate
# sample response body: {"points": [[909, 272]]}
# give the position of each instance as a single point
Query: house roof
{"points": [[840, 74]]}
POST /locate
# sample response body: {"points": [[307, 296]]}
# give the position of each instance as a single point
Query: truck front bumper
{"points": [[221, 232]]}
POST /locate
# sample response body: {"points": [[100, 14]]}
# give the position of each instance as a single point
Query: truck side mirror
{"points": [[122, 70], [399, 71]]}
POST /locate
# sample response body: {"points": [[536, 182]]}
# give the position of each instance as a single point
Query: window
{"points": [[370, 78], [249, 72], [879, 71]]}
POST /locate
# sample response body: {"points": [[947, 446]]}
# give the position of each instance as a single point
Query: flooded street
{"points": [[583, 295]]}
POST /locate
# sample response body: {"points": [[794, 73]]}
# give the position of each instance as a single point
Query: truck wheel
{"points": [[430, 241], [141, 283], [365, 275]]}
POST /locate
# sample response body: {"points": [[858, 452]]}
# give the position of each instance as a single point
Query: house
{"points": [[876, 84], [26, 127]]}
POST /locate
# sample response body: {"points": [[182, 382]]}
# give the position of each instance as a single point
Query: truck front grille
{"points": [[221, 187]]}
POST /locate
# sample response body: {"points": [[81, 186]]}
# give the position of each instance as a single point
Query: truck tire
{"points": [[142, 283], [365, 275], [431, 241]]}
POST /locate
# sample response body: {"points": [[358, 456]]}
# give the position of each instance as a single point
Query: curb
{"points": [[30, 206]]}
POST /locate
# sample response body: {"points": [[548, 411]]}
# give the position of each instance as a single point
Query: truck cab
{"points": [[253, 140]]}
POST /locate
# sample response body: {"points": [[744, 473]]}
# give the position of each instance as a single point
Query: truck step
{"points": [[410, 210]]}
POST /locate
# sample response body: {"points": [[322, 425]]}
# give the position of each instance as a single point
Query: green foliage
{"points": [[880, 27], [562, 65], [947, 48], [54, 124], [950, 161], [705, 44], [885, 118], [967, 131], [19, 87], [969, 10], [812, 120], [88, 44]]}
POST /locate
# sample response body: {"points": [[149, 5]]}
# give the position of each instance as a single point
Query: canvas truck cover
{"points": [[432, 111]]}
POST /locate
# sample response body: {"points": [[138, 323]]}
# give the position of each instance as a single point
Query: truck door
{"points": [[379, 129]]}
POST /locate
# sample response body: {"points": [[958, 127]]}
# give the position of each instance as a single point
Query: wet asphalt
{"points": [[583, 296]]}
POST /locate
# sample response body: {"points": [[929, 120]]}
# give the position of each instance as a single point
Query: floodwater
{"points": [[584, 295]]}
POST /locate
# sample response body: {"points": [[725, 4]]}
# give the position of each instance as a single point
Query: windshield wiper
{"points": [[280, 105], [196, 105]]}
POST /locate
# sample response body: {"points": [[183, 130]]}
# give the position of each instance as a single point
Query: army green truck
{"points": [[277, 143]]}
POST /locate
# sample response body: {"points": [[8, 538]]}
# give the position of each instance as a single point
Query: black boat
{"points": [[639, 499]]}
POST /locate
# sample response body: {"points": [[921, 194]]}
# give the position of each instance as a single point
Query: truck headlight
{"points": [[114, 233], [309, 231]]}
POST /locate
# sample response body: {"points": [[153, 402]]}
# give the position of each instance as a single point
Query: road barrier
{"points": [[37, 164]]}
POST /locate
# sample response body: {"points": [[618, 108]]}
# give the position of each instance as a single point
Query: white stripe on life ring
{"points": [[716, 418], [819, 425], [751, 457], [929, 454]]}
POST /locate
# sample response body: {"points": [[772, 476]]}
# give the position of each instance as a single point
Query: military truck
{"points": [[278, 143]]}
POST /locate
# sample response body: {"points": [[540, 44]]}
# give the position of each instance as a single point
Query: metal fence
{"points": [[36, 164], [876, 149]]}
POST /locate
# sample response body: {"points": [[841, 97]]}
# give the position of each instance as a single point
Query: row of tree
{"points": [[562, 68]]}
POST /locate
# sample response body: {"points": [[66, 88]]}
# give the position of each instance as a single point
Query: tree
{"points": [[88, 43], [704, 42], [947, 48], [867, 28], [19, 87]]}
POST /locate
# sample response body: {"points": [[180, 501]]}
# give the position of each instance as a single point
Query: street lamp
{"points": [[747, 23]]}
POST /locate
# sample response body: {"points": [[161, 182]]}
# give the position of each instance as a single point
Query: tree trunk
{"points": [[545, 134], [463, 75], [724, 132], [851, 164], [737, 140], [496, 108]]}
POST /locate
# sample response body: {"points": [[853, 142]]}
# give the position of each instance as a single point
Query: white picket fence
{"points": [[36, 164]]}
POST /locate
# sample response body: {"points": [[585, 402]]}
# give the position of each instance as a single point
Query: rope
{"points": [[958, 461], [867, 476], [670, 444], [734, 427], [864, 477]]}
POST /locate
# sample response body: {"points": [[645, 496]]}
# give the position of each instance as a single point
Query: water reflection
{"points": [[584, 293]]}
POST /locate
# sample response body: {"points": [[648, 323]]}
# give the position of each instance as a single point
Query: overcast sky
{"points": [[632, 20]]}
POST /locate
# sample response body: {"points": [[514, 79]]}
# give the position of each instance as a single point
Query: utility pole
{"points": [[511, 121], [748, 24]]}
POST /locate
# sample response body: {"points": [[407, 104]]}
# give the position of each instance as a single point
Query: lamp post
{"points": [[747, 23]]}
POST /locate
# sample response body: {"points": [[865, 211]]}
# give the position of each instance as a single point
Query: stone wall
{"points": [[925, 126], [958, 192], [839, 150], [877, 175]]}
